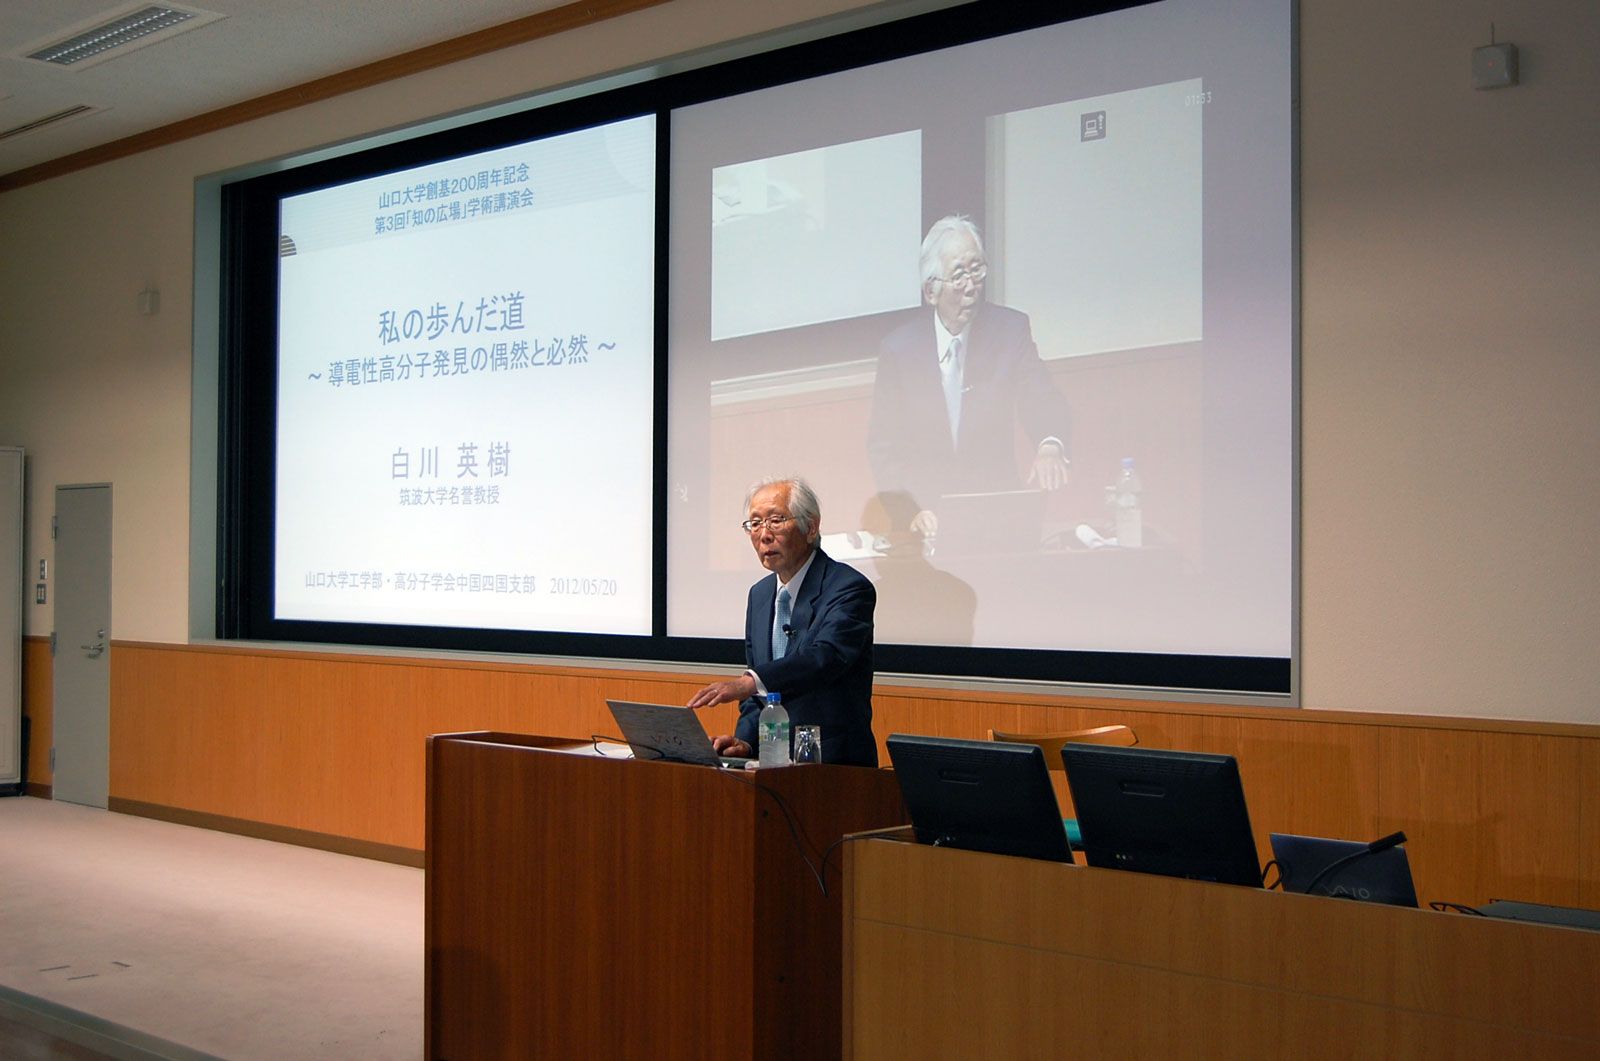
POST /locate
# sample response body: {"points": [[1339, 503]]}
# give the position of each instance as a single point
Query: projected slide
{"points": [[1079, 260], [465, 391]]}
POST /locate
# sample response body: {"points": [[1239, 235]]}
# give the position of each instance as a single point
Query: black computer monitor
{"points": [[980, 795], [1179, 814]]}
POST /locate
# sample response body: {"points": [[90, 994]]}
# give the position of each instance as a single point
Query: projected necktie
{"points": [[950, 371], [780, 626]]}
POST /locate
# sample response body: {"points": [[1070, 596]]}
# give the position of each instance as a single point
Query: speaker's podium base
{"points": [[582, 906]]}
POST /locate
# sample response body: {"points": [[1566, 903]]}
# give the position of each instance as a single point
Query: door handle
{"points": [[98, 648]]}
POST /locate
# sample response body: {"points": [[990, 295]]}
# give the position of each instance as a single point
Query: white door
{"points": [[82, 669]]}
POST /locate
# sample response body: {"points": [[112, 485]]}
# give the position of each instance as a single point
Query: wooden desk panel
{"points": [[560, 884], [956, 954]]}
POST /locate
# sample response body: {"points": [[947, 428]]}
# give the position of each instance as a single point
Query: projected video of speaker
{"points": [[1022, 311]]}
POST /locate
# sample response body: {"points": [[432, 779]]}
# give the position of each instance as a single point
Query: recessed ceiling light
{"points": [[116, 33], [49, 119]]}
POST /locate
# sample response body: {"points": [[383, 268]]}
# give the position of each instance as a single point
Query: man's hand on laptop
{"points": [[726, 745], [739, 688]]}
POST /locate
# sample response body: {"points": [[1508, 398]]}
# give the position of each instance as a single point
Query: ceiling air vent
{"points": [[49, 119], [118, 32]]}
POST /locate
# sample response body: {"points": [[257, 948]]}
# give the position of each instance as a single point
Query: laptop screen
{"points": [[663, 731], [1380, 877]]}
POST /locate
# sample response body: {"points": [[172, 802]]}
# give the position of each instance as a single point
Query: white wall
{"points": [[1450, 380], [1449, 374]]}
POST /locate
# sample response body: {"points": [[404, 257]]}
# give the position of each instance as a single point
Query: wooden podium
{"points": [[584, 906]]}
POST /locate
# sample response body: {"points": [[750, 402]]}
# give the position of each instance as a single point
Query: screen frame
{"points": [[247, 401]]}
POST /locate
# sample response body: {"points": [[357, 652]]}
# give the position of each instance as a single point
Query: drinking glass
{"points": [[808, 744]]}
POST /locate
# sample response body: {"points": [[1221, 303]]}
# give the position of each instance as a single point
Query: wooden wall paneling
{"points": [[1588, 848], [910, 712], [1317, 780], [38, 704], [1040, 717], [334, 745], [1428, 782], [1332, 784], [1030, 718], [1488, 815], [278, 741], [1044, 718], [901, 711], [1529, 791], [1186, 732]]}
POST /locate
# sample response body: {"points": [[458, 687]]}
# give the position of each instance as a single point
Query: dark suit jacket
{"points": [[908, 437], [825, 677]]}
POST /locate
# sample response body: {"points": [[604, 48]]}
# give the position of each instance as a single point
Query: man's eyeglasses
{"points": [[776, 523], [962, 277]]}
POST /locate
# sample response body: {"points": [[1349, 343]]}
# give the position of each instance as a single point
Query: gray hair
{"points": [[943, 231], [803, 504]]}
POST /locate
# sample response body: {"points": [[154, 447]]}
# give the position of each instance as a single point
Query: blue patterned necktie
{"points": [[780, 635]]}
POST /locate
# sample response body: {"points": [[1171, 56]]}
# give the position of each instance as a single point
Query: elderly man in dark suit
{"points": [[951, 391], [807, 632]]}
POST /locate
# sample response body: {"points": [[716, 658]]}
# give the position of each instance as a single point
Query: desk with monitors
{"points": [[1149, 964], [955, 953]]}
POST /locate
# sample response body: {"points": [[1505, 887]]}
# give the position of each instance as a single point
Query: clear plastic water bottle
{"points": [[773, 726], [1130, 524]]}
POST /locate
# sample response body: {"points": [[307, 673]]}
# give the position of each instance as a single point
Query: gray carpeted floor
{"points": [[160, 940]]}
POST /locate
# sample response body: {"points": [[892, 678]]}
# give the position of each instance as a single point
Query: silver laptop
{"points": [[1382, 877], [662, 731]]}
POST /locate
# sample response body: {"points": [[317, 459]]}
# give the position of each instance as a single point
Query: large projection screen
{"points": [[503, 386], [1130, 176]]}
